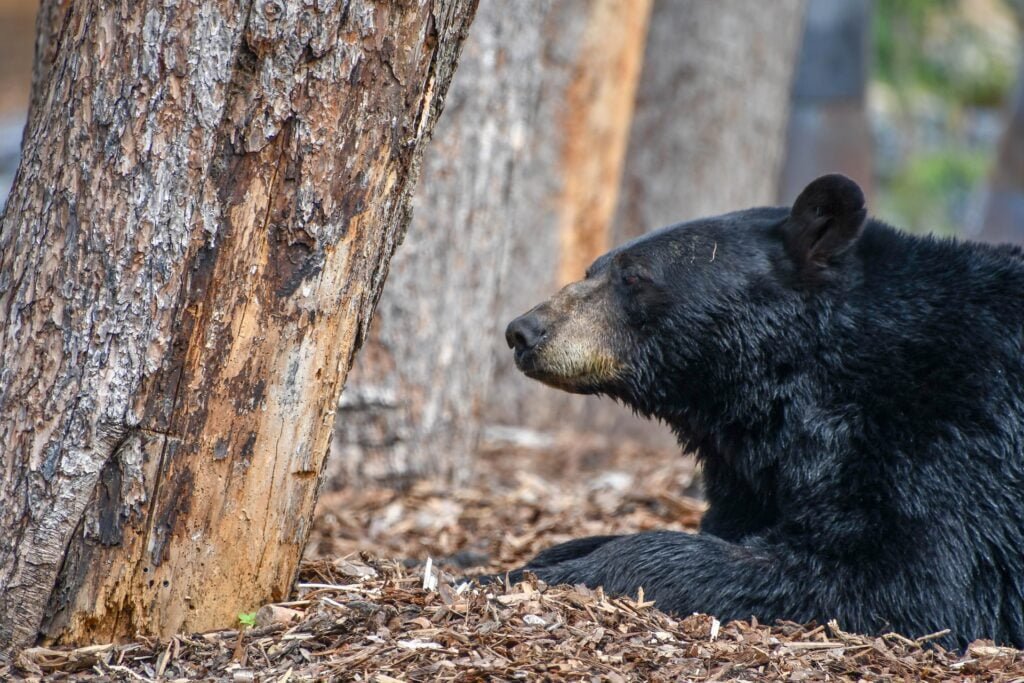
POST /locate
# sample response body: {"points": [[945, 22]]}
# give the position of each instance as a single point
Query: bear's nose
{"points": [[525, 332]]}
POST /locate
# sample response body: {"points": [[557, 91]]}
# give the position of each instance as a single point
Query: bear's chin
{"points": [[572, 385]]}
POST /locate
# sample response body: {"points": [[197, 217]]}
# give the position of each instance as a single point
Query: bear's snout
{"points": [[566, 342], [525, 332]]}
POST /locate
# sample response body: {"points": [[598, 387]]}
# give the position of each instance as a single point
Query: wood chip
{"points": [[358, 615]]}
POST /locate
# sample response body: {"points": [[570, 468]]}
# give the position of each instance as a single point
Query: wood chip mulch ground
{"points": [[357, 616]]}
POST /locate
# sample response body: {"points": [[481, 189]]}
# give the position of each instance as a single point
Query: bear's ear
{"points": [[826, 220]]}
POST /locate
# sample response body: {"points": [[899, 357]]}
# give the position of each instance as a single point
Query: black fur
{"points": [[856, 397]]}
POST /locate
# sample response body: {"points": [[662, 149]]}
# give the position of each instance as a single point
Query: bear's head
{"points": [[663, 322]]}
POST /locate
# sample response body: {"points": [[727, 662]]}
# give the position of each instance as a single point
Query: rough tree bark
{"points": [[828, 127], [709, 129], [527, 159], [209, 196], [49, 30]]}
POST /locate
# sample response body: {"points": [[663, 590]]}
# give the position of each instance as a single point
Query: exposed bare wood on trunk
{"points": [[593, 57], [709, 128], [527, 158], [187, 265], [596, 125]]}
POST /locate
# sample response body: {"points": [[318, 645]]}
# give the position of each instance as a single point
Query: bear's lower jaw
{"points": [[573, 385], [571, 370]]}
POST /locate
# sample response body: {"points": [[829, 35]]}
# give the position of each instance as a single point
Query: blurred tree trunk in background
{"points": [[208, 199], [411, 404], [1003, 217], [709, 130], [828, 128], [706, 136], [516, 196], [588, 100]]}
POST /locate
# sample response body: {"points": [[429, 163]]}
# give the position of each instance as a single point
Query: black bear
{"points": [[855, 396]]}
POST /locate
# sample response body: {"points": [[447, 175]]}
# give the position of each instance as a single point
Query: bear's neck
{"points": [[744, 434], [753, 410]]}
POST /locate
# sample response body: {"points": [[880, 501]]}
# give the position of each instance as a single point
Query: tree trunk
{"points": [[709, 129], [526, 159], [187, 266], [1004, 208], [410, 406], [568, 190], [828, 127]]}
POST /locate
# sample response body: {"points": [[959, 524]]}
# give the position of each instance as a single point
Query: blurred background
{"points": [[573, 125]]}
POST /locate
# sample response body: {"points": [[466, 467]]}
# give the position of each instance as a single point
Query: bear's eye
{"points": [[630, 279]]}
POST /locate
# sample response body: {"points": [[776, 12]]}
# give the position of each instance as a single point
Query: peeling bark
{"points": [[188, 264], [50, 24], [709, 130]]}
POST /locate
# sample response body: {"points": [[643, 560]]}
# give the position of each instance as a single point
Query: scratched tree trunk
{"points": [[526, 160], [188, 262], [709, 130]]}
